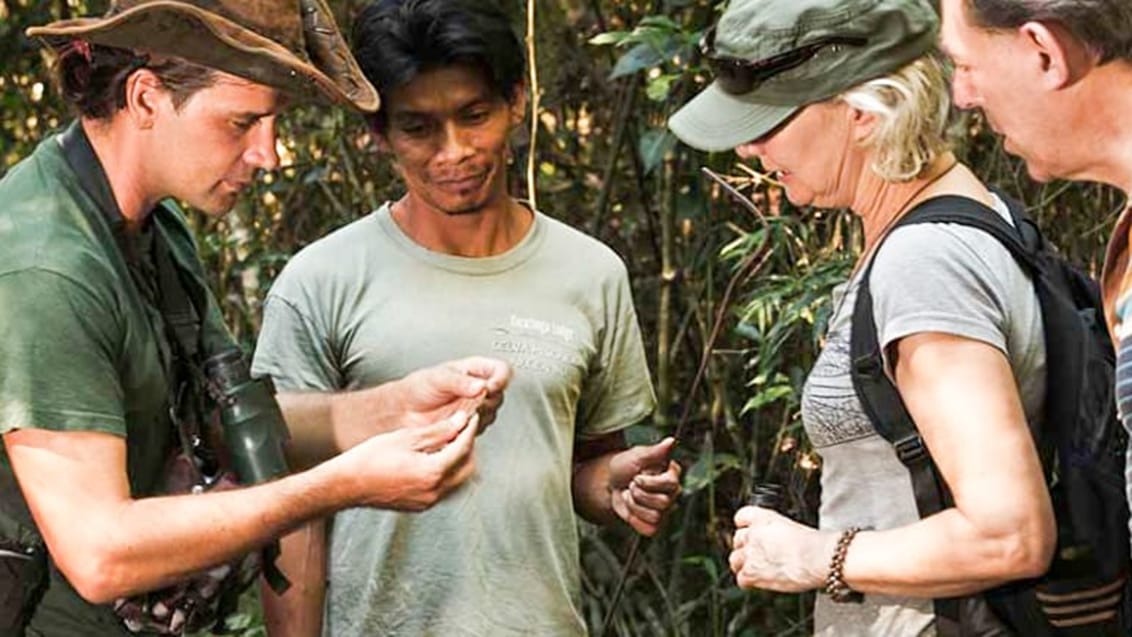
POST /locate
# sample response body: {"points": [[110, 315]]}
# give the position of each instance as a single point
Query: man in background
{"points": [[458, 267], [1054, 78]]}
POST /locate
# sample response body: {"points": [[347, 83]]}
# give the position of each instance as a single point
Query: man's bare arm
{"points": [[324, 424], [110, 545], [636, 485], [298, 611]]}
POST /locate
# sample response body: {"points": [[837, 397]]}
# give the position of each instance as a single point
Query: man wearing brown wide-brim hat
{"points": [[116, 360]]}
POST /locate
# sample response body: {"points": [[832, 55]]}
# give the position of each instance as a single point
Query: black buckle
{"points": [[911, 449], [869, 366]]}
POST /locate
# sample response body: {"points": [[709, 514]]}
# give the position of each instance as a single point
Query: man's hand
{"points": [[773, 552], [411, 469], [436, 392], [644, 484], [110, 544], [323, 424]]}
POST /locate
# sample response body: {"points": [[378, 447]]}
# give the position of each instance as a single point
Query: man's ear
{"points": [[146, 97], [517, 104], [1062, 58], [381, 142], [378, 133]]}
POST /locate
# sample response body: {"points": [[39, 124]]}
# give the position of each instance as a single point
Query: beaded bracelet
{"points": [[835, 585]]}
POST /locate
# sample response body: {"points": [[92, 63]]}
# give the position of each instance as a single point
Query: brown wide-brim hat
{"points": [[291, 45]]}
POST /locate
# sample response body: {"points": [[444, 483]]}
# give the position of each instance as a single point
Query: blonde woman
{"points": [[844, 103]]}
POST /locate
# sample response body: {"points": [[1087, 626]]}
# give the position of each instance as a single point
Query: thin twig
{"points": [[749, 267], [620, 126], [532, 63], [757, 177]]}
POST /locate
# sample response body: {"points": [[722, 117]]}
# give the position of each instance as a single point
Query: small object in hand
{"points": [[471, 406], [768, 495]]}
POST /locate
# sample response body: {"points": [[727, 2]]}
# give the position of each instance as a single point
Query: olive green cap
{"points": [[894, 33]]}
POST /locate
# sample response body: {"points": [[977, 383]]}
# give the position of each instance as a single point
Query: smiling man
{"points": [[1054, 78], [108, 321], [458, 267]]}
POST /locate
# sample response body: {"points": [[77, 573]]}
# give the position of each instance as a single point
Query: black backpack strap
{"points": [[1021, 239], [878, 395]]}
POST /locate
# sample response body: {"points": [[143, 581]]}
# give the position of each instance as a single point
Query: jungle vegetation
{"points": [[609, 73]]}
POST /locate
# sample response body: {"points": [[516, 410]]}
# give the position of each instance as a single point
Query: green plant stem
{"points": [[609, 175]]}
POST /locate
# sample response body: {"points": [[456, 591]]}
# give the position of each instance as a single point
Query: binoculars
{"points": [[769, 495], [254, 430]]}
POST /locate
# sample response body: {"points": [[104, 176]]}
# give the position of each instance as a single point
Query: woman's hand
{"points": [[773, 552]]}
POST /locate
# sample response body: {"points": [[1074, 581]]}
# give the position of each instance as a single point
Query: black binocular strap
{"points": [[183, 305]]}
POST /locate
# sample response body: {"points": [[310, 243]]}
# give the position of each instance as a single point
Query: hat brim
{"points": [[202, 37], [715, 120]]}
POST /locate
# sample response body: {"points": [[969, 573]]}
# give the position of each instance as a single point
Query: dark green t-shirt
{"points": [[83, 345]]}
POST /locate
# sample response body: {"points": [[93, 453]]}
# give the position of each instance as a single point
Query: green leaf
{"points": [[707, 469], [658, 88], [654, 145], [659, 21], [768, 396], [609, 37], [315, 175], [640, 57], [705, 562]]}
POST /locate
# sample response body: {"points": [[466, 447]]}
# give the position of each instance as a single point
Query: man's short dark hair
{"points": [[1104, 26], [394, 41], [92, 78]]}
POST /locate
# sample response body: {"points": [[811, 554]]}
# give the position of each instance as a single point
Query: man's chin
{"points": [[463, 211], [1039, 175], [217, 207], [1037, 171], [1033, 168], [464, 207]]}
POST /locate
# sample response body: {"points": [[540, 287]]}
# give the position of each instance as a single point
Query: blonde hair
{"points": [[911, 108]]}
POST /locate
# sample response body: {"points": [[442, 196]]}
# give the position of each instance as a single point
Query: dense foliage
{"points": [[610, 73]]}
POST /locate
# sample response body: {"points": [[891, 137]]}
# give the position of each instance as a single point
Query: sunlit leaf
{"points": [[609, 37], [658, 88]]}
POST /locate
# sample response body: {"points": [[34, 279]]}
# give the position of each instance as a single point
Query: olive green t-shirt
{"points": [[499, 556], [82, 342]]}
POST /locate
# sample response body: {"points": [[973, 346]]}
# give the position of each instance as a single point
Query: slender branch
{"points": [[620, 127], [532, 63], [668, 273], [748, 268], [595, 6]]}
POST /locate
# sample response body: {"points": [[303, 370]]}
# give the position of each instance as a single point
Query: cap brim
{"points": [[715, 120]]}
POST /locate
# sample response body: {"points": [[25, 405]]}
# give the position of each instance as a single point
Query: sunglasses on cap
{"points": [[737, 76]]}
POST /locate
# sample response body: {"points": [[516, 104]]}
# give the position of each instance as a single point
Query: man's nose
{"points": [[261, 150], [962, 92], [455, 145]]}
